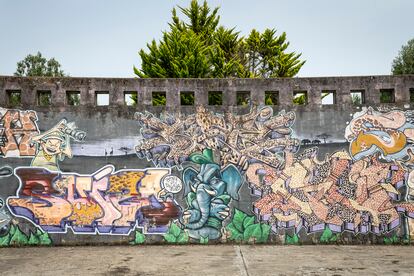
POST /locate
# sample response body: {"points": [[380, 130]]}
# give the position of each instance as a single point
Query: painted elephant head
{"points": [[208, 193]]}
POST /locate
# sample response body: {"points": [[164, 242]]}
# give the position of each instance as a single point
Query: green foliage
{"points": [[356, 99], [39, 66], [242, 99], [15, 99], [43, 237], [74, 99], [300, 98], [266, 57], [197, 47], [204, 240], [5, 240], [134, 99], [159, 99], [394, 239], [16, 237], [292, 239], [386, 96], [328, 236], [33, 239], [215, 98], [139, 238], [243, 228], [176, 235], [187, 98], [44, 98], [271, 98], [404, 62]]}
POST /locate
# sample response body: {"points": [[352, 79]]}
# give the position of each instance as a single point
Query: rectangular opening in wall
{"points": [[44, 98], [14, 98], [159, 98], [102, 98], [243, 97], [271, 97], [130, 98], [328, 97], [215, 98], [300, 97], [387, 95], [187, 98], [411, 95], [358, 97], [73, 98]]}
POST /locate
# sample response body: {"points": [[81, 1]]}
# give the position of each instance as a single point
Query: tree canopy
{"points": [[404, 62], [198, 47], [39, 66]]}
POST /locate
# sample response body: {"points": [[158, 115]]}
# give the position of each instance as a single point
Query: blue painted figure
{"points": [[208, 193]]}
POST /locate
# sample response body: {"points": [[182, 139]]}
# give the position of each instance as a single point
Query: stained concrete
{"points": [[208, 260]]}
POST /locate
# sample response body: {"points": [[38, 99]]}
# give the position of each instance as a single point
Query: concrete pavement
{"points": [[223, 260]]}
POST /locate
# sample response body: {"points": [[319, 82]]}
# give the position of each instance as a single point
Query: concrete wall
{"points": [[287, 173]]}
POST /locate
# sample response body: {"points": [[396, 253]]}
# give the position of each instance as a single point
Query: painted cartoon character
{"points": [[54, 145], [208, 193]]}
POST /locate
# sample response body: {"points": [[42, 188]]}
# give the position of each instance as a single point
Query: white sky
{"points": [[102, 38]]}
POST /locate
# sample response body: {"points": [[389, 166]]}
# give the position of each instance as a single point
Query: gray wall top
{"points": [[371, 87]]}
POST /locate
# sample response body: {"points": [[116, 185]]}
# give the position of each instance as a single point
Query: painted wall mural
{"points": [[360, 191], [259, 135], [53, 145], [105, 202], [212, 177], [17, 128]]}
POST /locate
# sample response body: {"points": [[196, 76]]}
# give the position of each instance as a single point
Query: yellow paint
{"points": [[365, 141]]}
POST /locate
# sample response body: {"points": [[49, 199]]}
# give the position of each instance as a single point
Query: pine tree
{"points": [[197, 47]]}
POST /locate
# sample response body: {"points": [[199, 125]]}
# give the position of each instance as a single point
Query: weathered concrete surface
{"points": [[208, 260]]}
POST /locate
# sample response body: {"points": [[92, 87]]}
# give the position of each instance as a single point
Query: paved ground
{"points": [[222, 260]]}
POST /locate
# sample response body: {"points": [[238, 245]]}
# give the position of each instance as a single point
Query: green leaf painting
{"points": [[16, 237], [292, 239], [176, 235], [139, 238], [243, 229], [328, 236]]}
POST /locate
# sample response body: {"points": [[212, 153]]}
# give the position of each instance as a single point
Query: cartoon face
{"points": [[52, 146]]}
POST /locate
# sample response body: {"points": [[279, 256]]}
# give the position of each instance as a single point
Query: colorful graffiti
{"points": [[361, 196], [16, 131], [389, 133], [258, 135], [361, 191], [105, 202], [235, 140], [53, 145], [216, 159], [208, 194]]}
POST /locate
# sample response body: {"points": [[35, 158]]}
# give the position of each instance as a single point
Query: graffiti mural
{"points": [[259, 135], [106, 202], [235, 140], [361, 191], [53, 145], [389, 133], [16, 131], [208, 193], [4, 216], [225, 177], [360, 196]]}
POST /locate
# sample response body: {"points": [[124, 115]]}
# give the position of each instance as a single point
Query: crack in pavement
{"points": [[242, 263]]}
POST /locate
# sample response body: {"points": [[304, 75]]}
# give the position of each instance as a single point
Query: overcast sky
{"points": [[101, 38]]}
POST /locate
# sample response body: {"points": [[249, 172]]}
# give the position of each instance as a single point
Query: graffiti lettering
{"points": [[16, 131], [105, 202]]}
